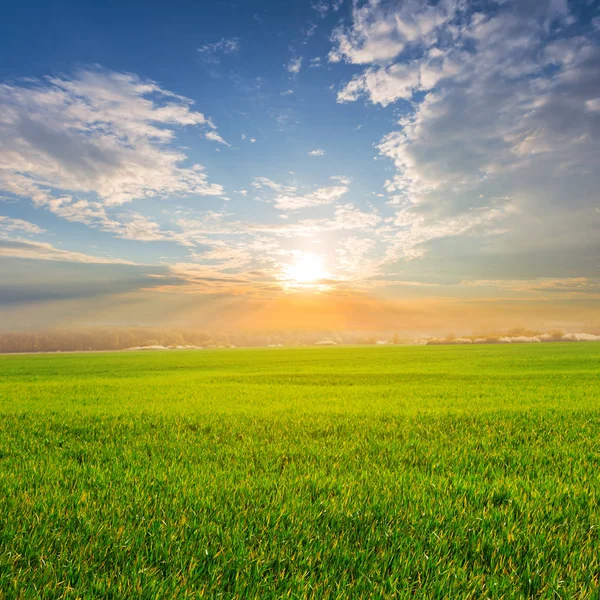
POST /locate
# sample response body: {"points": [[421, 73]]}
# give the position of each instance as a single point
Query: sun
{"points": [[307, 268]]}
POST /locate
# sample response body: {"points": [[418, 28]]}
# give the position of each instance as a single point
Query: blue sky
{"points": [[406, 151]]}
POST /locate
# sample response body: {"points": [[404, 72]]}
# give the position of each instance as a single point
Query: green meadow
{"points": [[388, 472]]}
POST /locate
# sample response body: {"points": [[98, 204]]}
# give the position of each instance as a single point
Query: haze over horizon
{"points": [[408, 165]]}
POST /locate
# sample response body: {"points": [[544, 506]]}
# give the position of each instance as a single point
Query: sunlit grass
{"points": [[432, 472]]}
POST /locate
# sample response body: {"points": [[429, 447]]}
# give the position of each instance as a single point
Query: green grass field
{"points": [[401, 472]]}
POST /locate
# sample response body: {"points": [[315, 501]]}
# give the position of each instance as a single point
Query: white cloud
{"points": [[317, 152], [100, 132], [382, 29], [593, 104], [326, 195], [341, 179], [509, 113], [385, 85], [308, 33], [347, 216], [210, 52], [382, 85], [353, 260], [223, 256], [134, 226], [123, 224], [45, 251], [213, 136], [417, 230], [321, 7], [9, 225], [294, 65], [264, 182]]}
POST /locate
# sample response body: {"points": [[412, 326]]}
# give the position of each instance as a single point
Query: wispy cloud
{"points": [[44, 251], [323, 7], [264, 182], [9, 226], [317, 152], [294, 65], [341, 179], [320, 196], [212, 52]]}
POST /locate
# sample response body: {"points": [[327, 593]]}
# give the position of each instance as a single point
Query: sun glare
{"points": [[307, 268]]}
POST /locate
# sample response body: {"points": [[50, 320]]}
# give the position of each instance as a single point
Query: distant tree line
{"points": [[517, 335], [123, 338]]}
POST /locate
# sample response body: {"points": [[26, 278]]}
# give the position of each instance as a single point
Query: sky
{"points": [[403, 164]]}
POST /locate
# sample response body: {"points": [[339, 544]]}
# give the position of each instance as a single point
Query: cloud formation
{"points": [[9, 226], [44, 251], [211, 52], [499, 122], [320, 196], [100, 133], [294, 65]]}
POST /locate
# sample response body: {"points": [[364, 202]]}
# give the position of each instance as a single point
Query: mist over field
{"points": [[140, 338]]}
